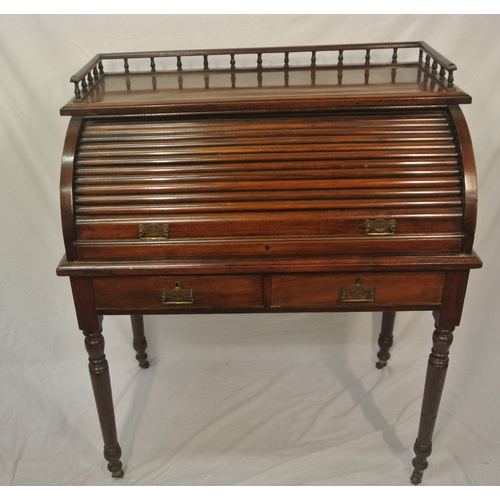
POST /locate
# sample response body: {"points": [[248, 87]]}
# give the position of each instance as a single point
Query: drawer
{"points": [[165, 293], [357, 290]]}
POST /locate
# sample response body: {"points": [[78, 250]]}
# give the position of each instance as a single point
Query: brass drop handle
{"points": [[177, 296], [357, 293]]}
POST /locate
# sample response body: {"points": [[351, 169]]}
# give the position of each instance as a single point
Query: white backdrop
{"points": [[241, 400]]}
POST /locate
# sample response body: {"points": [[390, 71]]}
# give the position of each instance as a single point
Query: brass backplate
{"points": [[154, 232], [177, 296], [357, 293], [380, 227]]}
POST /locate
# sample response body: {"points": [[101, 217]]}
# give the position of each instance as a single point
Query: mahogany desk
{"points": [[328, 178]]}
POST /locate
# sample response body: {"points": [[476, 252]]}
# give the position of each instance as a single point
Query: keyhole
{"points": [[266, 248]]}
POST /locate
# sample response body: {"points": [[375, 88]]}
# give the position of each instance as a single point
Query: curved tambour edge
{"points": [[66, 185], [287, 185], [470, 177]]}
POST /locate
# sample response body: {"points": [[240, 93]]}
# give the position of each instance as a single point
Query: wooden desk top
{"points": [[158, 88]]}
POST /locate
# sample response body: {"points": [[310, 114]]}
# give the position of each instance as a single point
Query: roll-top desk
{"points": [[326, 178]]}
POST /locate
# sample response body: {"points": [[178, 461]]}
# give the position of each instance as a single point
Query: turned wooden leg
{"points": [[139, 342], [101, 384], [434, 382], [385, 338]]}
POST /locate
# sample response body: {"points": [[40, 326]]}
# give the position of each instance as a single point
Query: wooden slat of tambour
{"points": [[200, 144], [339, 156], [381, 120], [309, 135], [99, 179], [269, 215], [155, 185], [354, 168], [408, 120], [249, 196], [133, 194], [162, 173], [265, 170], [339, 165], [178, 124], [193, 151], [278, 129], [286, 205], [346, 114]]}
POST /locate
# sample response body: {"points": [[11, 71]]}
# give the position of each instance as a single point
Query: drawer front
{"points": [[357, 290], [166, 293]]}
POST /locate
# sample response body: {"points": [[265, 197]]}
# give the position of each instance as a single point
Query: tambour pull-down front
{"points": [[286, 179]]}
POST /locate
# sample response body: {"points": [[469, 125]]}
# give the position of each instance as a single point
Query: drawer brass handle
{"points": [[380, 227], [177, 296], [357, 293], [153, 232]]}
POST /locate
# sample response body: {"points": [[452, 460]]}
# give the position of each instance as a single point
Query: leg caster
{"points": [[420, 461], [117, 474], [416, 477], [113, 458]]}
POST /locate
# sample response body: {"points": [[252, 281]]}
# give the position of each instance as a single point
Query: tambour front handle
{"points": [[153, 232], [380, 227]]}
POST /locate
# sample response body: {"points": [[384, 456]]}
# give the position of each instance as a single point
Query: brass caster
{"points": [[381, 363], [144, 364], [416, 477], [117, 474]]}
